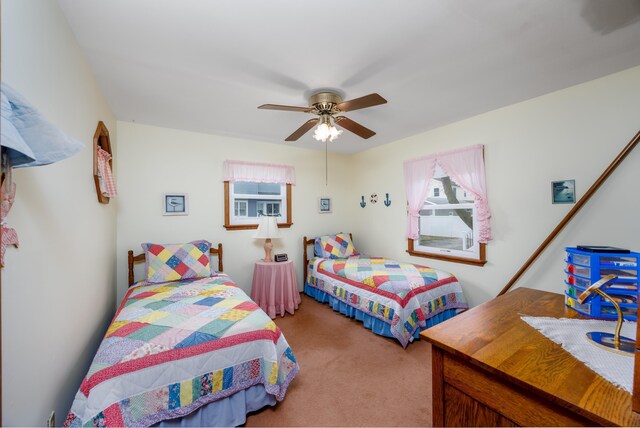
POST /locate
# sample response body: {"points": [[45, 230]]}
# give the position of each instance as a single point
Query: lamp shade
{"points": [[267, 228]]}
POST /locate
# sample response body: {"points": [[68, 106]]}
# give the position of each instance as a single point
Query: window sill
{"points": [[475, 262], [253, 226]]}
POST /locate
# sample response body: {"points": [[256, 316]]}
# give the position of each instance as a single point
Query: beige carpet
{"points": [[348, 375]]}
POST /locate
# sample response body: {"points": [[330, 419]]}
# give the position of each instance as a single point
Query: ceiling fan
{"points": [[326, 105]]}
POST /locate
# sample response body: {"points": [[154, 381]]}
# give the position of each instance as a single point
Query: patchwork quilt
{"points": [[175, 346], [402, 295]]}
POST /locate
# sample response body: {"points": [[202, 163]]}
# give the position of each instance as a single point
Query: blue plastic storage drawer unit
{"points": [[585, 268]]}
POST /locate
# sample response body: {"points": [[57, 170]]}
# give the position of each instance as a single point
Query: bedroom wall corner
{"points": [[58, 287], [572, 133]]}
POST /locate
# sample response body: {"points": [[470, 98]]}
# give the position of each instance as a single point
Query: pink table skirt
{"points": [[275, 288]]}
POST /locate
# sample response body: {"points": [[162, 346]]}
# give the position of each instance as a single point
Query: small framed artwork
{"points": [[324, 205], [563, 192], [175, 204]]}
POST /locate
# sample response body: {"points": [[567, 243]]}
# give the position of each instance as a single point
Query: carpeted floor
{"points": [[348, 375]]}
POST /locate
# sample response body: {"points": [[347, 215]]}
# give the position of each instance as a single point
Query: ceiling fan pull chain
{"points": [[326, 165]]}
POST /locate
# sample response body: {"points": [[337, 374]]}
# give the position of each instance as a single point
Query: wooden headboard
{"points": [[140, 258]]}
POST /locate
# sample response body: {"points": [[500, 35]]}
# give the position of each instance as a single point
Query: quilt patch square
{"points": [[171, 320], [194, 323], [171, 337], [174, 396], [174, 306], [153, 316], [229, 303], [216, 328], [247, 306], [213, 312], [195, 338], [143, 295], [144, 350], [129, 328], [191, 310], [114, 349], [209, 301], [234, 315], [182, 269], [148, 332], [114, 327], [173, 261], [157, 305]]}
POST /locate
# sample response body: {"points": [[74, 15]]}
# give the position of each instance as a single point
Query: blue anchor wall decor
{"points": [[387, 202], [363, 203]]}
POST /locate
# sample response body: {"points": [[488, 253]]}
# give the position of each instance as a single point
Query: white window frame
{"points": [[471, 253], [265, 203], [246, 208]]}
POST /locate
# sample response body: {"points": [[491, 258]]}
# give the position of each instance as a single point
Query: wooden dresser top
{"points": [[493, 337]]}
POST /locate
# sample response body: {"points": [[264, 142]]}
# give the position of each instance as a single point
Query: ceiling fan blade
{"points": [[302, 130], [362, 102], [285, 108], [354, 127]]}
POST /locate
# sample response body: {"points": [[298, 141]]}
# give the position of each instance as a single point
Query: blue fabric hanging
{"points": [[27, 137]]}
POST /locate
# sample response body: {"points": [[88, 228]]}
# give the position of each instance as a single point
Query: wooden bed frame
{"points": [[140, 258]]}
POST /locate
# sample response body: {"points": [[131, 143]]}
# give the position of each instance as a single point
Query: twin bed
{"points": [[185, 343], [392, 299], [187, 347]]}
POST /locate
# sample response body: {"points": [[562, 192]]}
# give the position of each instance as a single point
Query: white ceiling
{"points": [[205, 65]]}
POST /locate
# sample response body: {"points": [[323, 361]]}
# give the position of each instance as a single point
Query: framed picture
{"points": [[563, 192], [175, 204], [324, 205]]}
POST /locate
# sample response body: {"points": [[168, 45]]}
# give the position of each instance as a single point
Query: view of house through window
{"points": [[241, 208], [446, 224], [251, 200]]}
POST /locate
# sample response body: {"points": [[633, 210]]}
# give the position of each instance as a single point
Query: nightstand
{"points": [[275, 288]]}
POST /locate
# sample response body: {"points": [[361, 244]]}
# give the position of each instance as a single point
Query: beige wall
{"points": [[153, 161], [58, 288], [570, 134]]}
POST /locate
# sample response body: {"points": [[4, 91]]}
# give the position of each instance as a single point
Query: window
{"points": [[251, 197], [446, 223], [453, 223], [268, 208], [240, 209], [253, 200]]}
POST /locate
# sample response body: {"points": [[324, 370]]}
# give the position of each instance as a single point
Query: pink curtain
{"points": [[417, 178], [258, 172], [465, 167]]}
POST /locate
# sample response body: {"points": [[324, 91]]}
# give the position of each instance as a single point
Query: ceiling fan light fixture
{"points": [[327, 105], [326, 130]]}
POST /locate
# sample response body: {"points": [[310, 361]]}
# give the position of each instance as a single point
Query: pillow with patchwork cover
{"points": [[337, 246], [174, 262]]}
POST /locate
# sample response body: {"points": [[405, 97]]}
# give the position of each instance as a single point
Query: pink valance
{"points": [[258, 172], [465, 167]]}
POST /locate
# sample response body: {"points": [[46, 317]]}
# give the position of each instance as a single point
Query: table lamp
{"points": [[267, 229], [610, 342]]}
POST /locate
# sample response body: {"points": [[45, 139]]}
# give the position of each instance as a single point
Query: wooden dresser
{"points": [[490, 368]]}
